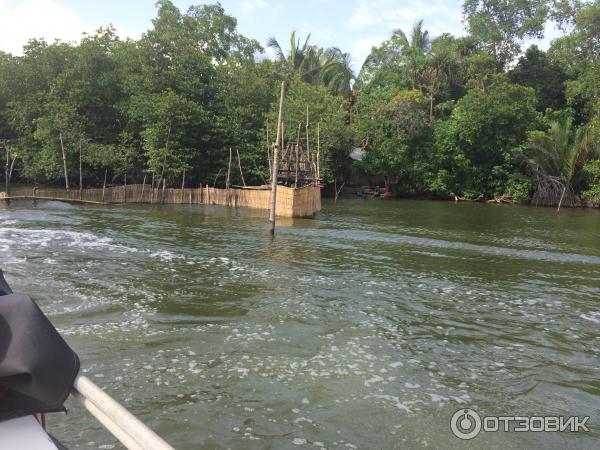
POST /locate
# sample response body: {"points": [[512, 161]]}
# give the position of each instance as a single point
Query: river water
{"points": [[365, 328]]}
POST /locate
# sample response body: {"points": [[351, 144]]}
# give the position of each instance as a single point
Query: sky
{"points": [[352, 25]]}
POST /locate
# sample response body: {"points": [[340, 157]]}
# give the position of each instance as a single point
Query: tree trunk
{"points": [[335, 188], [12, 166], [431, 108], [64, 156]]}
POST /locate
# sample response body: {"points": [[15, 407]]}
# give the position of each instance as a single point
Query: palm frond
{"points": [[273, 44]]}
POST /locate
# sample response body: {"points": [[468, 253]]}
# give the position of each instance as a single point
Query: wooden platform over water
{"points": [[291, 202]]}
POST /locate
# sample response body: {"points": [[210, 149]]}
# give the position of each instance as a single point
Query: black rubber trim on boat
{"points": [[37, 367]]}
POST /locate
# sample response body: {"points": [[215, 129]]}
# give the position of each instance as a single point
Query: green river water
{"points": [[367, 327]]}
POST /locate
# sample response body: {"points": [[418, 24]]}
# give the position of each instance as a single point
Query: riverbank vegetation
{"points": [[474, 116]]}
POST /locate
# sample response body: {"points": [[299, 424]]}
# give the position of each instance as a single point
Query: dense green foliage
{"points": [[472, 116]]}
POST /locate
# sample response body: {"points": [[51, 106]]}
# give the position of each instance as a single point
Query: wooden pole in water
{"points": [[152, 189], [104, 185], [269, 149], [125, 190], [319, 153], [562, 196], [80, 170], [240, 166], [228, 179], [276, 160], [143, 189], [7, 170], [64, 156], [307, 137], [297, 156], [182, 185]]}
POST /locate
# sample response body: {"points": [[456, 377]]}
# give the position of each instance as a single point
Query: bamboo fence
{"points": [[291, 202]]}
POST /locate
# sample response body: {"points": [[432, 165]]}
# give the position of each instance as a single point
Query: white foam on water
{"points": [[592, 317], [392, 399], [39, 237], [166, 256]]}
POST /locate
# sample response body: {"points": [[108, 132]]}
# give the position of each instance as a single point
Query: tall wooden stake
{"points": [[319, 153], [80, 170], [307, 137], [143, 189], [152, 189], [276, 160], [562, 196], [64, 155], [183, 185], [269, 149], [7, 169], [227, 180], [104, 185], [297, 155], [240, 166]]}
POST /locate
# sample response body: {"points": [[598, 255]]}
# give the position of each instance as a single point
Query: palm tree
{"points": [[316, 65], [559, 151], [555, 158], [296, 60], [419, 39], [336, 72], [414, 49], [408, 51]]}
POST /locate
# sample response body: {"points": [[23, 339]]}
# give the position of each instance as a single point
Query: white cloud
{"points": [[361, 48], [384, 12], [48, 19], [252, 5], [439, 16], [373, 21], [366, 13], [551, 32], [36, 19]]}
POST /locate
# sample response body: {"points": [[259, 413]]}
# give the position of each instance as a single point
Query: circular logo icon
{"points": [[465, 424]]}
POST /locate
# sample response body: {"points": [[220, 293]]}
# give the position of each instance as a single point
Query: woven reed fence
{"points": [[300, 202]]}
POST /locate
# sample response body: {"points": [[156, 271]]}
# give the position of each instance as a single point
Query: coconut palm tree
{"points": [[336, 72], [312, 64], [418, 40], [414, 49], [407, 51], [296, 60]]}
